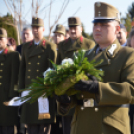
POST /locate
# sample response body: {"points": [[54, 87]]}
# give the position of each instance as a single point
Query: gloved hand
{"points": [[63, 99], [90, 85]]}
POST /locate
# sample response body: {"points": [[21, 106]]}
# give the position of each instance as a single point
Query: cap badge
{"points": [[98, 4]]}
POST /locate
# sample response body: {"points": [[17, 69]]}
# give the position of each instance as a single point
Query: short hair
{"points": [[117, 22], [129, 39], [27, 28]]}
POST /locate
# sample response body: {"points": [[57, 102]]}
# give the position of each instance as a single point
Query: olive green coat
{"points": [[9, 70], [117, 88], [35, 60], [67, 48]]}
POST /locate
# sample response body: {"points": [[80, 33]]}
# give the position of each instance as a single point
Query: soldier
{"points": [[102, 107], [122, 36], [9, 69], [66, 49], [27, 36], [59, 34], [35, 60]]}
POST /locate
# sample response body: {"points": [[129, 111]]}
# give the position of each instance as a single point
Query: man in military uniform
{"points": [[66, 50], [35, 60], [27, 36], [122, 36], [59, 34], [9, 69], [102, 107]]}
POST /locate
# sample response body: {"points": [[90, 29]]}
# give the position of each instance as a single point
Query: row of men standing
{"points": [[110, 112], [35, 57]]}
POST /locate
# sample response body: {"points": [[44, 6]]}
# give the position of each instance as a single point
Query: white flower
{"points": [[48, 70], [69, 60]]}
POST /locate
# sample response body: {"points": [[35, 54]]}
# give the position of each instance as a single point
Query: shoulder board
{"points": [[6, 51], [44, 42], [81, 39]]}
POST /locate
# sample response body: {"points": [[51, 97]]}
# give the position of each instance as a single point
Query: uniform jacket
{"points": [[67, 48], [9, 70], [116, 89], [35, 60]]}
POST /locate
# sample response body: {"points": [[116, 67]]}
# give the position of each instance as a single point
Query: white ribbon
{"points": [[43, 105]]}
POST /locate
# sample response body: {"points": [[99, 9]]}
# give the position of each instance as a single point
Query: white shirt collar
{"points": [[1, 51], [36, 43], [125, 44]]}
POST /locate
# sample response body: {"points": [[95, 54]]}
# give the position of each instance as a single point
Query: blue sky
{"points": [[86, 12]]}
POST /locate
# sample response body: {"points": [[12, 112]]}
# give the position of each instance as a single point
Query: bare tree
{"points": [[15, 9], [36, 5], [63, 7]]}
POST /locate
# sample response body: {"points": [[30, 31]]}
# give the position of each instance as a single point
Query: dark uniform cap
{"points": [[3, 33], [74, 21], [105, 13], [60, 29], [37, 22]]}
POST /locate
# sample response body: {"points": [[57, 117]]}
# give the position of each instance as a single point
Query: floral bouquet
{"points": [[61, 79]]}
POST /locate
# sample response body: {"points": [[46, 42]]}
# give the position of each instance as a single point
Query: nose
{"points": [[98, 28]]}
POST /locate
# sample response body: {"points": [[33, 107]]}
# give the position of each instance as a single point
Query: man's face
{"points": [[38, 32], [3, 43], [67, 35], [58, 37], [75, 32], [122, 36], [105, 33], [27, 36]]}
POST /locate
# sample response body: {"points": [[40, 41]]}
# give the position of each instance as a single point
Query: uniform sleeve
{"points": [[59, 59], [119, 93], [92, 44], [52, 54], [14, 75], [66, 107], [22, 70]]}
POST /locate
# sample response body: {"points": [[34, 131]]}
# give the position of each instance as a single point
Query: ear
{"points": [[117, 29], [43, 29], [126, 34], [81, 28]]}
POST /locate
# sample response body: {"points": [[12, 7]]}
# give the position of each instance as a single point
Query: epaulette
{"points": [[6, 51], [44, 42], [81, 39], [31, 43]]}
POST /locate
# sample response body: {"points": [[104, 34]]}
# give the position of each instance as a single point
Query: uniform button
{"points": [[96, 109], [0, 77], [82, 96], [1, 70], [0, 83], [37, 70], [39, 56], [82, 108], [29, 63], [28, 77], [29, 70], [2, 64], [38, 63]]}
